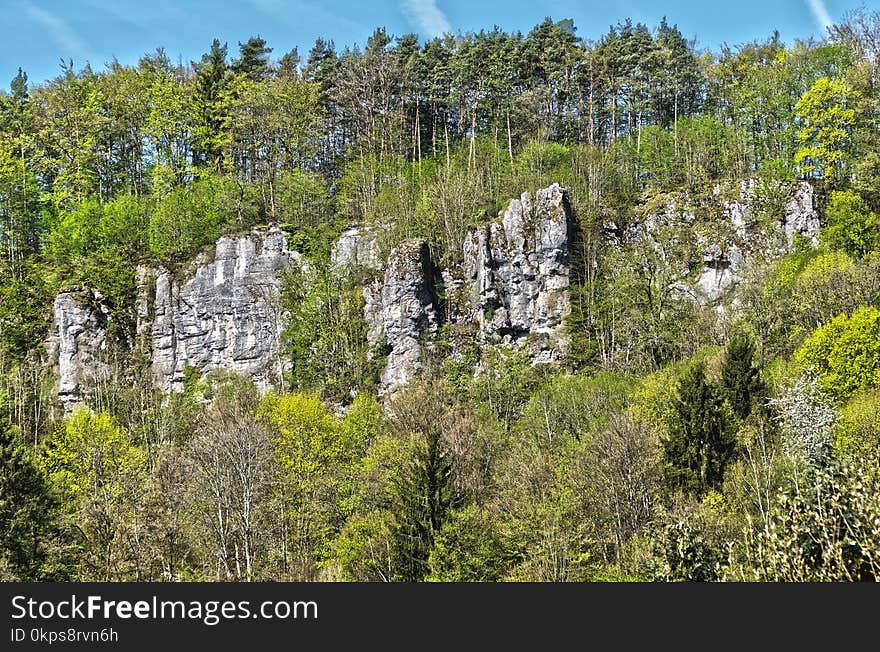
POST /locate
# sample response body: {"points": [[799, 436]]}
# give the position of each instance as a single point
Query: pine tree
{"points": [[740, 379], [27, 509], [288, 66], [700, 441], [254, 59]]}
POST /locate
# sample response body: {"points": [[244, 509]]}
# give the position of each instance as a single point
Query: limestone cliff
{"points": [[508, 287], [401, 313], [78, 341], [516, 273], [225, 313], [731, 228]]}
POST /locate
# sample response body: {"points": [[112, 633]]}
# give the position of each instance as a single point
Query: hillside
{"points": [[493, 307]]}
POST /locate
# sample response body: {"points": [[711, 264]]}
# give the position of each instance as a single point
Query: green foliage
{"points": [[852, 226], [189, 219], [574, 407], [827, 534], [99, 245], [858, 433], [28, 509], [654, 400], [325, 335], [316, 453], [700, 441], [741, 381], [23, 304], [308, 435], [827, 112], [303, 202], [692, 544], [845, 352], [100, 476], [517, 471], [467, 548], [505, 383]]}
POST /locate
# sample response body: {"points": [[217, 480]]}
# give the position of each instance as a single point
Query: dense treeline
{"points": [[680, 442]]}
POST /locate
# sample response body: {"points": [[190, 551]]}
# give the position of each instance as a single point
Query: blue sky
{"points": [[35, 34]]}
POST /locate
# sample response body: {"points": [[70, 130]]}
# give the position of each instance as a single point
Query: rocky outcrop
{"points": [[801, 215], [401, 313], [725, 261], [78, 341], [510, 288], [224, 314], [516, 275], [221, 312], [730, 231], [357, 248]]}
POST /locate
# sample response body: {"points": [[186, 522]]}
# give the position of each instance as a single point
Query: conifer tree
{"points": [[27, 509], [740, 379], [254, 59], [700, 441]]}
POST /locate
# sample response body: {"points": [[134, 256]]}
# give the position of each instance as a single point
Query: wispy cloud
{"points": [[820, 13], [58, 29], [426, 17]]}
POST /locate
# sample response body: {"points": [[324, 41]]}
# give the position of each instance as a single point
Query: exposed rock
{"points": [[801, 215], [226, 314], [372, 294], [723, 269], [516, 275], [731, 235], [356, 248], [77, 341], [510, 288], [401, 313]]}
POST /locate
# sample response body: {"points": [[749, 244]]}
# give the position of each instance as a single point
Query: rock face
{"points": [[737, 236], [516, 274], [226, 314], [509, 288], [402, 313], [356, 248], [78, 340], [801, 216]]}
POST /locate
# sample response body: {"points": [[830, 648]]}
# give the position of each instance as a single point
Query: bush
{"points": [[845, 352], [827, 533], [852, 226], [858, 433]]}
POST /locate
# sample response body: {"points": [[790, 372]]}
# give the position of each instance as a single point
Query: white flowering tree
{"points": [[807, 418]]}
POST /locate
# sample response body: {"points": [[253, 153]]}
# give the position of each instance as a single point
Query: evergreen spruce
{"points": [[700, 442], [27, 509], [740, 378]]}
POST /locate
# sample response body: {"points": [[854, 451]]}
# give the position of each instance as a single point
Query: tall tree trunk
{"points": [[509, 137]]}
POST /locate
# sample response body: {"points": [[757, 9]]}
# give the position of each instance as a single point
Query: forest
{"points": [[675, 442]]}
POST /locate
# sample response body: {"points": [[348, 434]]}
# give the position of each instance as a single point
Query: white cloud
{"points": [[426, 17], [58, 29], [820, 13]]}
